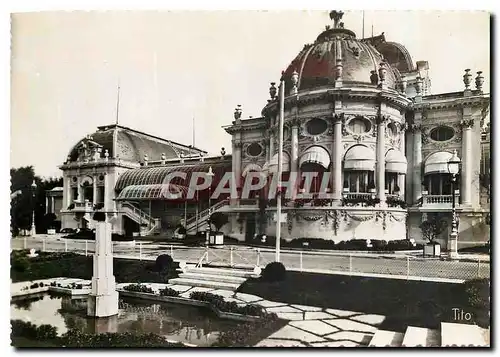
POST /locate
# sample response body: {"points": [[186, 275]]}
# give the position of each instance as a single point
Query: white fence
{"points": [[400, 265]]}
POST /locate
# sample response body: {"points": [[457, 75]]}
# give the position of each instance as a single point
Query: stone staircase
{"points": [[216, 278], [450, 334]]}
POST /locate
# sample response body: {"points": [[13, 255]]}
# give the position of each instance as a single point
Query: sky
{"points": [[175, 66]]}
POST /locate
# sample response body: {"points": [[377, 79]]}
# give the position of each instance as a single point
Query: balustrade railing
{"points": [[439, 199]]}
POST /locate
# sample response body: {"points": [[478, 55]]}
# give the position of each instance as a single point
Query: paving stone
{"points": [[371, 319], [293, 333], [341, 313], [348, 325], [317, 315], [279, 343], [335, 344], [307, 308], [247, 297], [359, 337], [225, 293], [315, 327], [267, 303], [285, 308], [293, 316]]}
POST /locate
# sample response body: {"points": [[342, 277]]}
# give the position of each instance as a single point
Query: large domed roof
{"points": [[316, 63]]}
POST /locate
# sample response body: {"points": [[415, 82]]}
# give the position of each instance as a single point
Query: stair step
{"points": [[421, 337], [204, 284], [383, 338], [221, 271], [461, 335], [210, 277]]}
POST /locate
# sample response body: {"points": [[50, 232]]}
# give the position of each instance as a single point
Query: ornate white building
{"points": [[359, 109]]}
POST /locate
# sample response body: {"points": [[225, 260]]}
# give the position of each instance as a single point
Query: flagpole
{"points": [[281, 97]]}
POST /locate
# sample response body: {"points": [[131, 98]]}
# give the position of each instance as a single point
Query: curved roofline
{"points": [[406, 54], [113, 126]]}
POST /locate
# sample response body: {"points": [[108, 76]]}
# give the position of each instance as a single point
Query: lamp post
{"points": [[33, 196], [211, 174], [453, 169]]}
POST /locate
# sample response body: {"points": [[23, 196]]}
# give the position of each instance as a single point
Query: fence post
{"points": [[171, 251], [300, 260], [66, 245], [206, 254], [43, 244], [350, 264], [478, 267], [140, 250], [25, 243], [86, 247], [231, 256], [258, 257], [407, 267]]}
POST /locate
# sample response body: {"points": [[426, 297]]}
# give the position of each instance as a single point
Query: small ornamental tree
{"points": [[432, 228], [218, 219]]}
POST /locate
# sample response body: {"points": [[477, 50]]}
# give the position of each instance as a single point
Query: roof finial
{"points": [[336, 16]]}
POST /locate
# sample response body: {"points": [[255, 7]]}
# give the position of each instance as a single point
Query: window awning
{"points": [[272, 166], [395, 161], [250, 168], [359, 158], [437, 163], [153, 192], [315, 155]]}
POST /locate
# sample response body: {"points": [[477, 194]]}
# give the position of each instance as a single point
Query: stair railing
{"points": [[203, 214]]}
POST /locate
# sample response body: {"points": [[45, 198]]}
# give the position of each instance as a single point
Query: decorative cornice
{"points": [[467, 123], [413, 128]]}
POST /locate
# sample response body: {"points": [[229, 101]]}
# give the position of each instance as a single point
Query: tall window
{"points": [[391, 181], [74, 193], [439, 184], [359, 181]]}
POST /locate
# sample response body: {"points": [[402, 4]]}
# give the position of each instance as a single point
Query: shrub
{"points": [[478, 293], [164, 262], [28, 330], [75, 338], [274, 271], [169, 292], [139, 288]]}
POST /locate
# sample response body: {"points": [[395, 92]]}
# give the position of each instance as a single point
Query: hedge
{"points": [[75, 338], [219, 303]]}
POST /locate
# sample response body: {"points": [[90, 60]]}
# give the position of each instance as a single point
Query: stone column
{"points": [[103, 298], [79, 196], [237, 169], [294, 163], [271, 145], [402, 144], [94, 189], [46, 203], [106, 198], [53, 205], [466, 173], [336, 173], [381, 158], [416, 168], [67, 199]]}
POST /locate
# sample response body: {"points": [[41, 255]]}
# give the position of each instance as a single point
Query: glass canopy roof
{"points": [[152, 192]]}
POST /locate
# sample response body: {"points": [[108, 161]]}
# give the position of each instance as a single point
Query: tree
{"points": [[22, 205], [432, 227], [218, 219]]}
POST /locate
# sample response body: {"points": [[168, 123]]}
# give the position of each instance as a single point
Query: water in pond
{"points": [[181, 323]]}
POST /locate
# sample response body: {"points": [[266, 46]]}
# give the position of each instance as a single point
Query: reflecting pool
{"points": [[180, 323]]}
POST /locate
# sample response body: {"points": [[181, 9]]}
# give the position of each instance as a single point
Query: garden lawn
{"points": [[70, 265], [404, 303]]}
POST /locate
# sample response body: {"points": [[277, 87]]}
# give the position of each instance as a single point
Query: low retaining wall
{"points": [[187, 301]]}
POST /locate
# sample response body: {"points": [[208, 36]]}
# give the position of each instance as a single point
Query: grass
{"points": [[404, 303], [69, 265]]}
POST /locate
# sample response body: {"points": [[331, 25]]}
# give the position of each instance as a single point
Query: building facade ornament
{"points": [[467, 78], [467, 123]]}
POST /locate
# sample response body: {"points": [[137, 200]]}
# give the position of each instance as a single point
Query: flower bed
{"points": [[220, 304]]}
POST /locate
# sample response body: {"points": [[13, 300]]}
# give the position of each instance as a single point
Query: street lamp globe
{"points": [[33, 185], [454, 163]]}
